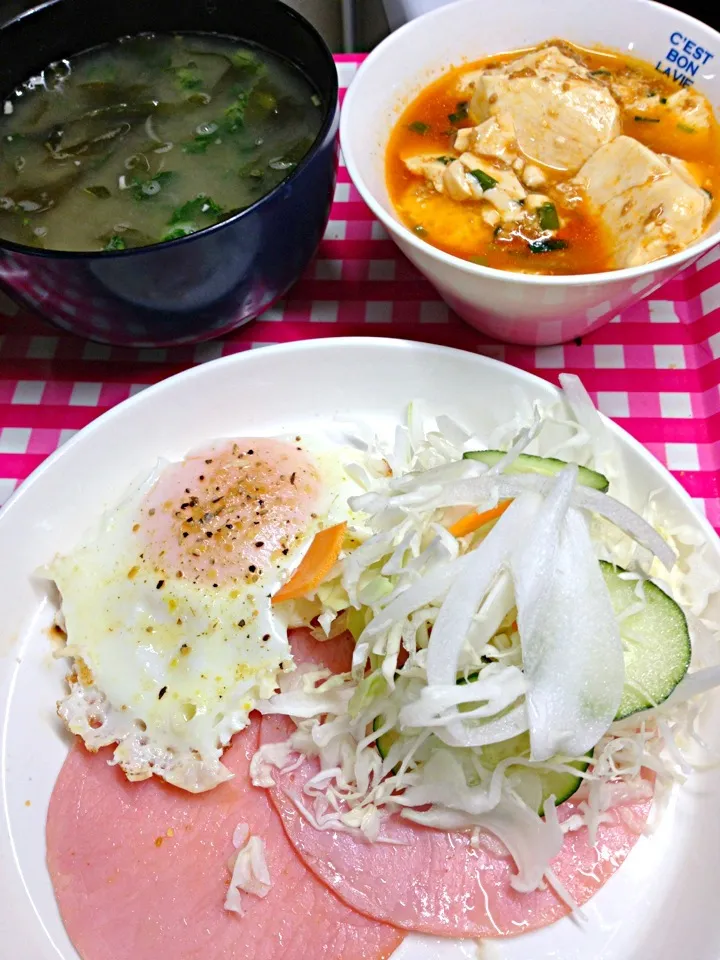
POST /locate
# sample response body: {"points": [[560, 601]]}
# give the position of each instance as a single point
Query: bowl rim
{"points": [[329, 118], [681, 259]]}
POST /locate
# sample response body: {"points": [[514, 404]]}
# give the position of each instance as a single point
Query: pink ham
{"points": [[335, 654], [139, 871], [434, 882]]}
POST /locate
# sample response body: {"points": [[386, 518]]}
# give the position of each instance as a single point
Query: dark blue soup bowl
{"points": [[208, 283]]}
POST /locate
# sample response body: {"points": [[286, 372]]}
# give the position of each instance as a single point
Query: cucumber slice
{"points": [[384, 742], [526, 780], [534, 786], [656, 642], [547, 466]]}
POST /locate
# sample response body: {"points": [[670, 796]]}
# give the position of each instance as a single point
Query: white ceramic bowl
{"points": [[519, 308]]}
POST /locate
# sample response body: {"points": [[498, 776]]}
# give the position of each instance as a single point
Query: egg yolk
{"points": [[224, 514]]}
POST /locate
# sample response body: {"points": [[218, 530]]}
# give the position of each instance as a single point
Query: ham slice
{"points": [[140, 872], [335, 654], [435, 882]]}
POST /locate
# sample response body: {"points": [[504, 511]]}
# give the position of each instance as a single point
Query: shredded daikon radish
{"points": [[575, 676], [606, 451], [471, 585]]}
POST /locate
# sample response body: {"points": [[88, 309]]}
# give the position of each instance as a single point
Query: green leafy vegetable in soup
{"points": [[548, 216], [149, 139]]}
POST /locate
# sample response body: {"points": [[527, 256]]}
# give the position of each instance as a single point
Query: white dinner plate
{"points": [[662, 904]]}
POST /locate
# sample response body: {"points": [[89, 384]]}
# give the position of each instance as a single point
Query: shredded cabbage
{"points": [[250, 872], [485, 664]]}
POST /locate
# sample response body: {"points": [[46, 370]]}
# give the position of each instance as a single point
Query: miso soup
{"points": [[148, 139]]}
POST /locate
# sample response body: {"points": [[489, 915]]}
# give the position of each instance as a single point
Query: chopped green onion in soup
{"points": [[484, 179]]}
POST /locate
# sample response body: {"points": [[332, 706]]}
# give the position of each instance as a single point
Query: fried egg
{"points": [[167, 607]]}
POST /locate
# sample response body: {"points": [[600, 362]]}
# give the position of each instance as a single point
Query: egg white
{"points": [[170, 669]]}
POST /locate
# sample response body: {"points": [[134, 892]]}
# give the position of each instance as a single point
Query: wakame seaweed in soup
{"points": [[147, 139]]}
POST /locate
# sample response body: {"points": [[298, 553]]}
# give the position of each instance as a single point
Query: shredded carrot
{"points": [[473, 521], [315, 565]]}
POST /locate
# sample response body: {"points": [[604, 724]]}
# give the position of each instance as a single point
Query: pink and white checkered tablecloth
{"points": [[655, 369]]}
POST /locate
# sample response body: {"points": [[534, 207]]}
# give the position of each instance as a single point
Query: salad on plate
{"points": [[454, 686]]}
